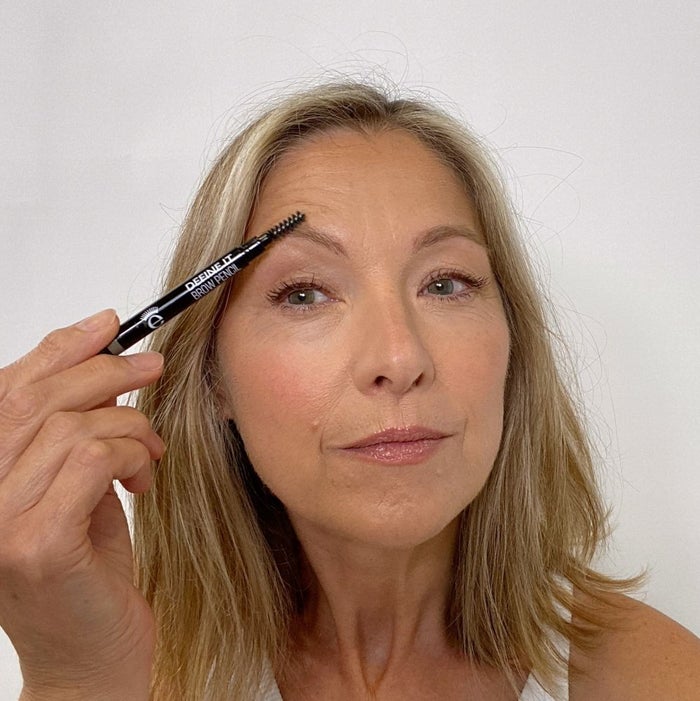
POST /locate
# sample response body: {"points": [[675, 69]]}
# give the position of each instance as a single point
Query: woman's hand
{"points": [[67, 598]]}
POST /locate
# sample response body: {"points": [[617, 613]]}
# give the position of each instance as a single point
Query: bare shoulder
{"points": [[643, 656]]}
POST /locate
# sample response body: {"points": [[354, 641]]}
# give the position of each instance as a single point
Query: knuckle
{"points": [[92, 453], [136, 424], [107, 371], [20, 406], [142, 423], [138, 469], [103, 364], [51, 346], [145, 456], [63, 425], [140, 458], [135, 451]]}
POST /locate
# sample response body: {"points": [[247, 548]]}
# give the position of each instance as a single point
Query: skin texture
{"points": [[643, 656]]}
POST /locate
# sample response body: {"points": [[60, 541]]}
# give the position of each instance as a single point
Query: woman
{"points": [[371, 480]]}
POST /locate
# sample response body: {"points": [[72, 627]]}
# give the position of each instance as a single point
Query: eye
{"points": [[305, 296], [298, 295], [443, 287], [452, 284]]}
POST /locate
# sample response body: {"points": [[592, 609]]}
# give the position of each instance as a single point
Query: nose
{"points": [[389, 353]]}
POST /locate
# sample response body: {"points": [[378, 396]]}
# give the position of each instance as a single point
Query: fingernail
{"points": [[145, 361], [97, 321]]}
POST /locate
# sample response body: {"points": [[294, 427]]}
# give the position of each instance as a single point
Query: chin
{"points": [[400, 528]]}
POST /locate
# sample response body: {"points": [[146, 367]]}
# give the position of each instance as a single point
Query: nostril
{"points": [[379, 381], [397, 383], [390, 354]]}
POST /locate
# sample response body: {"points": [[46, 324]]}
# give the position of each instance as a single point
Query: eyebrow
{"points": [[426, 239], [436, 234], [305, 231]]}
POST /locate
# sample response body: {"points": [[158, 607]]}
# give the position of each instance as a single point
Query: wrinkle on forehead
{"points": [[372, 180]]}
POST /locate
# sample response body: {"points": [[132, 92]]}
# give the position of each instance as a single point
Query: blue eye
{"points": [[299, 295], [442, 287], [452, 284], [305, 296]]}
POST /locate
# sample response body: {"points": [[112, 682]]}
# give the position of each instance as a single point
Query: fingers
{"points": [[61, 349], [85, 477], [63, 439], [80, 504], [88, 473], [93, 383], [67, 436]]}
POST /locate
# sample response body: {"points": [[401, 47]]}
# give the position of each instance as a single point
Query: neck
{"points": [[373, 608]]}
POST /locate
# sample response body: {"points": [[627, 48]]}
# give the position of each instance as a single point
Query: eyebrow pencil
{"points": [[199, 285]]}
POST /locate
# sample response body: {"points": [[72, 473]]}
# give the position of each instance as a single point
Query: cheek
{"points": [[475, 359], [280, 397], [480, 375], [282, 381]]}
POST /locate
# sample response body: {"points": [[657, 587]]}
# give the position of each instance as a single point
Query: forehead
{"points": [[378, 179]]}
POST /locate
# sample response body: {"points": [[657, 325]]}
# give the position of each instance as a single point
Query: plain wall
{"points": [[110, 113]]}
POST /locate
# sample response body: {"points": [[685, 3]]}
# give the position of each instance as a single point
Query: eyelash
{"points": [[278, 295], [472, 283]]}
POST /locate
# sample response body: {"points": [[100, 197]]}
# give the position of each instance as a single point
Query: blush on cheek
{"points": [[276, 393]]}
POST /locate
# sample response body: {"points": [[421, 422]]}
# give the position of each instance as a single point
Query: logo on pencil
{"points": [[152, 318]]}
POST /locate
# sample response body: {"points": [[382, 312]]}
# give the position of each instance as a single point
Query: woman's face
{"points": [[364, 355]]}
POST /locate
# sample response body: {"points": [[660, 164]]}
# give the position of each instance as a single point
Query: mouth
{"points": [[398, 446]]}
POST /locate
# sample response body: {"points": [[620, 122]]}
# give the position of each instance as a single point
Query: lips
{"points": [[409, 434], [398, 446]]}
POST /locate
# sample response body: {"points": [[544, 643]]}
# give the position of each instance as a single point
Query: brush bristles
{"points": [[287, 225]]}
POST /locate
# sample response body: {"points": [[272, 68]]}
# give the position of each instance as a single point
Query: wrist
{"points": [[125, 680]]}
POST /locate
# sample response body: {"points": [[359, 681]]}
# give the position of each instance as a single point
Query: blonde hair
{"points": [[204, 533]]}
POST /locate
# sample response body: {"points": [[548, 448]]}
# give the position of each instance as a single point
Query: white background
{"points": [[110, 112]]}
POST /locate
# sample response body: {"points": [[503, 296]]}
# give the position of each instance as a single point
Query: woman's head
{"points": [[379, 313], [374, 175]]}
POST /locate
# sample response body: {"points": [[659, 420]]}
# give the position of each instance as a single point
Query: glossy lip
{"points": [[397, 446], [408, 434]]}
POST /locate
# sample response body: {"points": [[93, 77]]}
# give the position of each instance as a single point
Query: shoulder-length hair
{"points": [[216, 557]]}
